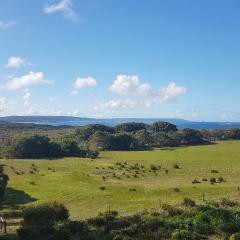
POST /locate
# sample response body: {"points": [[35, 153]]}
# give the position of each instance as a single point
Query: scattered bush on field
{"points": [[212, 180], [188, 202]]}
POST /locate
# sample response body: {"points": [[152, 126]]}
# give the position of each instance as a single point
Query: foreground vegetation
{"points": [[154, 165], [184, 222]]}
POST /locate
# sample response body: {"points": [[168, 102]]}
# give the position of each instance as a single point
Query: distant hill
{"points": [[78, 121]]}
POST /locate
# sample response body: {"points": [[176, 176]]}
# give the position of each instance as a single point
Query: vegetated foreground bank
{"points": [[187, 221]]}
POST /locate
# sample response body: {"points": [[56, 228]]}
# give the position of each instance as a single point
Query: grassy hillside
{"points": [[90, 186]]}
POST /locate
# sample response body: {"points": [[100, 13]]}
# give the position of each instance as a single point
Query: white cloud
{"points": [[73, 93], [170, 93], [6, 104], [114, 105], [27, 96], [65, 7], [15, 62], [129, 85], [26, 80], [3, 101], [75, 112], [191, 114], [6, 25], [85, 82]]}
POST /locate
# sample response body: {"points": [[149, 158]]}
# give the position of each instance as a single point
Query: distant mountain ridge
{"points": [[81, 121]]}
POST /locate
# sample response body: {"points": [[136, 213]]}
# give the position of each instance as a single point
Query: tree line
{"points": [[40, 146], [136, 136], [87, 141]]}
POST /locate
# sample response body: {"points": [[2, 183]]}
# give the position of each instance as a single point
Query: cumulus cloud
{"points": [[85, 82], [15, 62], [65, 7], [30, 79], [129, 85], [6, 25], [169, 93], [115, 105]]}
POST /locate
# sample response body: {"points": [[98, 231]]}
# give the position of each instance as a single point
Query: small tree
{"points": [[164, 127], [39, 221], [3, 183]]}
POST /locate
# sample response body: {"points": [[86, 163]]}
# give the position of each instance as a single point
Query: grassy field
{"points": [[123, 180]]}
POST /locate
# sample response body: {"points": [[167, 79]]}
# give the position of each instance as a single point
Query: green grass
{"points": [[76, 182]]}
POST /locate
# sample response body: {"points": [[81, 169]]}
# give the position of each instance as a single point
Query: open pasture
{"points": [[128, 182]]}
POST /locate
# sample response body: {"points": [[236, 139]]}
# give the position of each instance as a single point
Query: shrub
{"points": [[204, 180], [166, 171], [39, 221], [102, 188], [176, 190], [176, 166], [132, 190], [154, 167], [188, 202], [195, 181], [212, 180], [180, 234], [228, 203], [171, 210], [220, 179], [214, 171], [44, 215]]}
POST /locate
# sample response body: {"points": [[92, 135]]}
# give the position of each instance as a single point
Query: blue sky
{"points": [[128, 58]]}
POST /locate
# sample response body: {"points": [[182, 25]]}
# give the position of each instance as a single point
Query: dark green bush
{"points": [[188, 202]]}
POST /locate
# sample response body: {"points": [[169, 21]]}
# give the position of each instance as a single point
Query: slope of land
{"points": [[126, 181]]}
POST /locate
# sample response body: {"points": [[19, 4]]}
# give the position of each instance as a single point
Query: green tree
{"points": [[120, 141], [70, 148], [191, 137], [164, 127], [131, 127], [39, 221], [98, 140], [163, 139], [144, 138], [31, 147]]}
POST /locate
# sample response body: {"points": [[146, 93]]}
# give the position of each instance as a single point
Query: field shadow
{"points": [[13, 198]]}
